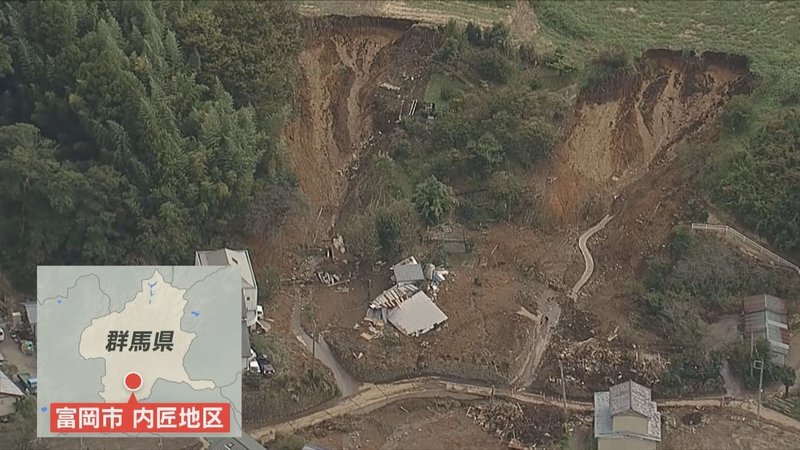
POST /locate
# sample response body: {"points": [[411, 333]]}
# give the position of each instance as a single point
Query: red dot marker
{"points": [[133, 381]]}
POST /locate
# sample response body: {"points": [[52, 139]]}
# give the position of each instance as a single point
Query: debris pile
{"points": [[522, 427], [329, 279], [406, 305], [592, 365]]}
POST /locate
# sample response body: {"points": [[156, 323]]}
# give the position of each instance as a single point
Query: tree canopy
{"points": [[127, 133]]}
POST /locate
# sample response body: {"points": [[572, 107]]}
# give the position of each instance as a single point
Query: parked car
{"points": [[265, 366]]}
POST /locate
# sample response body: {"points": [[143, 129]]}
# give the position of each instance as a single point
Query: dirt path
{"points": [[375, 396], [344, 381], [587, 257], [545, 324]]}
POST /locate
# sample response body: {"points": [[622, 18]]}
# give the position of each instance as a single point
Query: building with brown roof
{"points": [[765, 318]]}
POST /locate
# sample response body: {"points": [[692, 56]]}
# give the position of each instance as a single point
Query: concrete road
{"points": [[587, 257]]}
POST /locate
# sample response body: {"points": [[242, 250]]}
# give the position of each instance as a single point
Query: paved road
{"points": [[375, 396], [587, 257]]}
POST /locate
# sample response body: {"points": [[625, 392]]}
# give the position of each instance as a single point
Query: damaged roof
{"points": [[7, 387], [417, 315], [394, 296]]}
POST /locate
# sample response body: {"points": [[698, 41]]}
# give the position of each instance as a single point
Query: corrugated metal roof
{"points": [[629, 397], [7, 387], [763, 302], [417, 315], [408, 273], [30, 310]]}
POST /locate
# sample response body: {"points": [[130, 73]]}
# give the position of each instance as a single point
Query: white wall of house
{"points": [[250, 298], [624, 443], [8, 404], [630, 422]]}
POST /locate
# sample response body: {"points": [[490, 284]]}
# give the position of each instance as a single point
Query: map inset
{"points": [[179, 328]]}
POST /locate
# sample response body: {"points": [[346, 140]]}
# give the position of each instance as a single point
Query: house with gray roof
{"points": [[246, 442], [241, 259], [9, 395], [626, 418]]}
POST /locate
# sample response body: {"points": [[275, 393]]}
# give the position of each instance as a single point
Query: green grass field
{"points": [[767, 32]]}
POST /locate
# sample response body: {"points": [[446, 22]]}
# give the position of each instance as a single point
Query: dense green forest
{"points": [[760, 181], [136, 132]]}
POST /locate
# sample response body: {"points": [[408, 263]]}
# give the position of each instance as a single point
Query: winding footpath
{"points": [[374, 396], [587, 257]]}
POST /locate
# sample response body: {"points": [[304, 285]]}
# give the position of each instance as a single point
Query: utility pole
{"points": [[563, 393], [751, 354], [314, 349], [759, 365]]}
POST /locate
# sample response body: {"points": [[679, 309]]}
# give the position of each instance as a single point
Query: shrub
{"points": [[486, 154], [434, 200], [387, 227], [474, 34], [451, 50], [696, 210], [735, 116], [497, 36], [491, 65], [290, 442], [680, 242], [613, 58], [507, 194]]}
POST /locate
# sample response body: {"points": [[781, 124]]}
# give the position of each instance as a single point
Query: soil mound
{"points": [[621, 125]]}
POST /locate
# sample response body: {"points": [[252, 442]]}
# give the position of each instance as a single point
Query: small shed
{"points": [[765, 318], [408, 271], [30, 315]]}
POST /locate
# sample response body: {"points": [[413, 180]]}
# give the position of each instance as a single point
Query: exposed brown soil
{"points": [[722, 429], [627, 124], [429, 424], [632, 128]]}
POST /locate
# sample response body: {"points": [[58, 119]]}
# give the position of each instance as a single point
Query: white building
{"points": [[241, 259], [625, 418]]}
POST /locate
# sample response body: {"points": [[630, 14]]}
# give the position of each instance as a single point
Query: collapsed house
{"points": [[406, 305]]}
